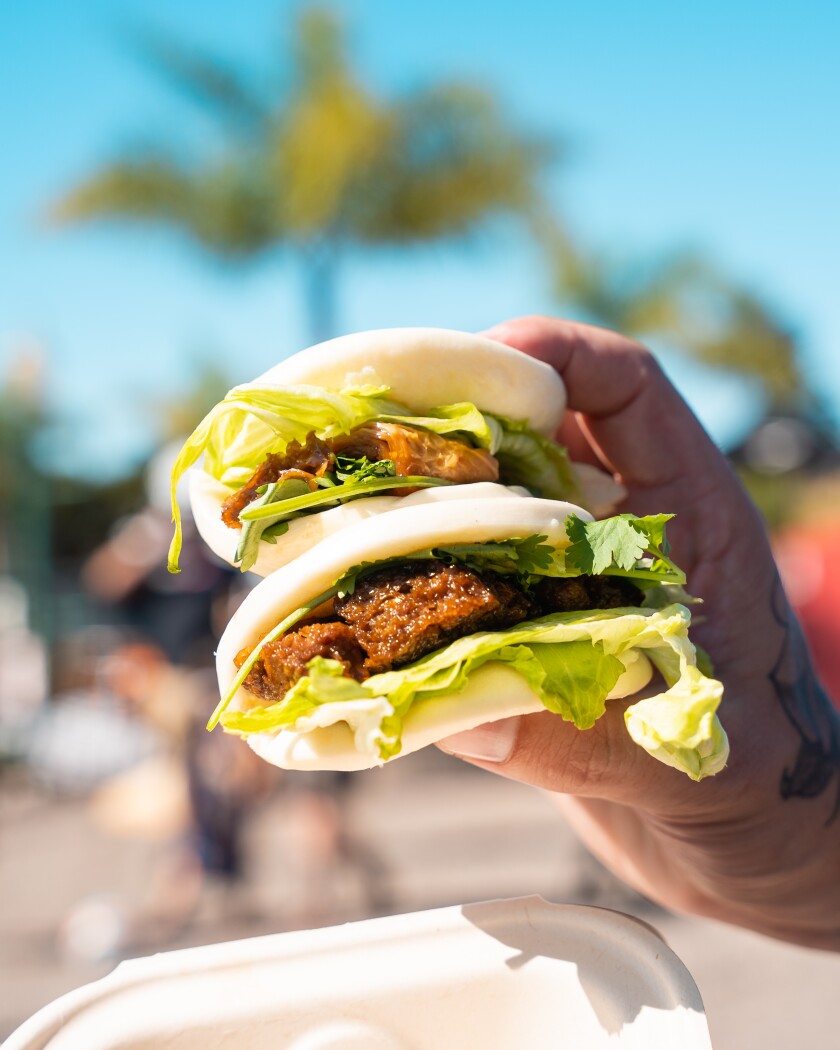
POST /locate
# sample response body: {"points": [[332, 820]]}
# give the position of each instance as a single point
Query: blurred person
{"points": [[758, 845], [195, 798], [180, 613], [227, 785], [183, 613], [140, 674], [226, 782], [332, 850], [86, 733]]}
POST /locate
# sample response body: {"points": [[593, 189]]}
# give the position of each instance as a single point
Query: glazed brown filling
{"points": [[308, 461], [413, 452], [400, 613]]}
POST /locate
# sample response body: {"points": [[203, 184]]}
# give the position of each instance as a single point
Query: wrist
{"points": [[761, 849]]}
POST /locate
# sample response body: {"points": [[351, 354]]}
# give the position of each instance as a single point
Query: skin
{"points": [[758, 845]]}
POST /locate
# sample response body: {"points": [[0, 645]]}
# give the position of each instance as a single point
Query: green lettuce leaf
{"points": [[530, 459], [462, 419], [572, 679], [571, 660]]}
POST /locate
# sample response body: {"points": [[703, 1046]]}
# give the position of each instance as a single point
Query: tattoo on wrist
{"points": [[808, 709]]}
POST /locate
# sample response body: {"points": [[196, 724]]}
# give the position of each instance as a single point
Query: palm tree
{"points": [[681, 300], [319, 164]]}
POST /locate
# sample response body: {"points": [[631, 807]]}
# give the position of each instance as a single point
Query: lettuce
{"points": [[530, 459], [571, 661]]}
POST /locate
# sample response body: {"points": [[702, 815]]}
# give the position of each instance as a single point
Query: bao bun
{"points": [[493, 691], [424, 368]]}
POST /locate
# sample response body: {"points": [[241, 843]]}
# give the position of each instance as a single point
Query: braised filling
{"points": [[413, 452], [400, 613]]}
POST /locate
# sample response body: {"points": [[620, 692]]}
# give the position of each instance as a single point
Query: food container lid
{"points": [[500, 975]]}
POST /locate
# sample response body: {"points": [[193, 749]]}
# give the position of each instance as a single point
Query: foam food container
{"points": [[504, 975]]}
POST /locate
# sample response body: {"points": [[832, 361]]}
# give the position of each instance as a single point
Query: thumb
{"points": [[547, 752]]}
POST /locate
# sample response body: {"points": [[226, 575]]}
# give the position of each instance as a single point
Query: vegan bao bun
{"points": [[435, 618], [358, 425]]}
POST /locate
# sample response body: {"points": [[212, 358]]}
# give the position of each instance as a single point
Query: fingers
{"points": [[634, 418], [575, 439]]}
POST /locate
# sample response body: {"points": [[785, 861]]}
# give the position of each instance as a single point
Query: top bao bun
{"points": [[493, 690], [423, 368]]}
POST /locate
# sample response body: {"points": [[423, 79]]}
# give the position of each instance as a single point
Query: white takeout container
{"points": [[506, 975]]}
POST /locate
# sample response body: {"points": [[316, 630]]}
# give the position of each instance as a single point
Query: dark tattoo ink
{"points": [[808, 709]]}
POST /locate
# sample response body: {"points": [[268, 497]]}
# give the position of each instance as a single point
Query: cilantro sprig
{"points": [[360, 468], [525, 557], [623, 545]]}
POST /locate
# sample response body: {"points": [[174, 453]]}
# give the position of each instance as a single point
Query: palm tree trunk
{"points": [[320, 273]]}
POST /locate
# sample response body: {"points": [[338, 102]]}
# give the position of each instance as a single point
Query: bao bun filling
{"points": [[435, 618], [404, 451], [400, 613]]}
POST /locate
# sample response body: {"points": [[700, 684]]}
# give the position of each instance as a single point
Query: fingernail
{"points": [[493, 742]]}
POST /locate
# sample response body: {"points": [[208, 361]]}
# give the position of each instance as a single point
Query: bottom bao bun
{"points": [[436, 618]]}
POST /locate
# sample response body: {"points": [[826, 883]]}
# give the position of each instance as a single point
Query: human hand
{"points": [[757, 845]]}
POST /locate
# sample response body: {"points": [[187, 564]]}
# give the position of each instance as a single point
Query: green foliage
{"points": [[318, 163], [680, 299]]}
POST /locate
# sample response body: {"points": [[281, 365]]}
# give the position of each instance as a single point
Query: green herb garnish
{"points": [[325, 497], [255, 530], [620, 545]]}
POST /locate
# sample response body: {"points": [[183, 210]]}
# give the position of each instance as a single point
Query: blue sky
{"points": [[713, 126]]}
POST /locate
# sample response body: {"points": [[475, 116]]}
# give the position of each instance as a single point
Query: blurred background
{"points": [[191, 192]]}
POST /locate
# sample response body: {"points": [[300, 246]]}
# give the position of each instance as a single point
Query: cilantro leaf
{"points": [[622, 545]]}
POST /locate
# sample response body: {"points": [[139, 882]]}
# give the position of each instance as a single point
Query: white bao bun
{"points": [[206, 495], [494, 691], [424, 367]]}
